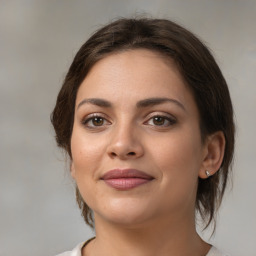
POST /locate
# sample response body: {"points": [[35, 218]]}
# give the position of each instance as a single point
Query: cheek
{"points": [[86, 153], [86, 161], [179, 159], [180, 151]]}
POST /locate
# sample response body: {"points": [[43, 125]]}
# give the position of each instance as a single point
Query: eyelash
{"points": [[93, 117], [170, 120]]}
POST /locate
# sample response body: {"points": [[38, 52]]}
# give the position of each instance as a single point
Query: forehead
{"points": [[134, 74]]}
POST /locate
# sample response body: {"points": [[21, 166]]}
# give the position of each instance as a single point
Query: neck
{"points": [[164, 237]]}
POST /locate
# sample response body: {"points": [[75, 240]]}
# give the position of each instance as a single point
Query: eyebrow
{"points": [[95, 101], [156, 101], [140, 104]]}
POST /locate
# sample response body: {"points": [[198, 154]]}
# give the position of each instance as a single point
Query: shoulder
{"points": [[216, 252], [75, 252]]}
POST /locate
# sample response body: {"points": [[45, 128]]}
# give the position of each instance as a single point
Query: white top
{"points": [[77, 251]]}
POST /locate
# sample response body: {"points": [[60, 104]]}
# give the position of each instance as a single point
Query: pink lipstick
{"points": [[125, 179]]}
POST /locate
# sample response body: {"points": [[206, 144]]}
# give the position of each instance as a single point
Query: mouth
{"points": [[125, 179]]}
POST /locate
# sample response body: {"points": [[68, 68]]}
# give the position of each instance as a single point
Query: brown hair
{"points": [[198, 69]]}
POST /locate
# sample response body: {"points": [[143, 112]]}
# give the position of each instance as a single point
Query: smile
{"points": [[126, 179]]}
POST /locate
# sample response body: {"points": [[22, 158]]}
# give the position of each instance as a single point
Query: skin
{"points": [[156, 218]]}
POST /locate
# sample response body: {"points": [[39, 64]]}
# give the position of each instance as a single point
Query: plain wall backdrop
{"points": [[38, 40]]}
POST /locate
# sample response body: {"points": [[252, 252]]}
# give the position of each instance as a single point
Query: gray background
{"points": [[38, 39]]}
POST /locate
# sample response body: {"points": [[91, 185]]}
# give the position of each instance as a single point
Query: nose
{"points": [[125, 143]]}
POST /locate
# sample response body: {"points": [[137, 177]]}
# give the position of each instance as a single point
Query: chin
{"points": [[126, 213], [128, 221]]}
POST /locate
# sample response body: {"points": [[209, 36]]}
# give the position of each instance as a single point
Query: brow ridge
{"points": [[95, 101], [140, 104], [156, 101]]}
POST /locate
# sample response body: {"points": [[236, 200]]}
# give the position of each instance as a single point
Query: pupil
{"points": [[97, 121], [158, 120]]}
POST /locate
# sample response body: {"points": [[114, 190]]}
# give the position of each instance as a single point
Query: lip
{"points": [[125, 179]]}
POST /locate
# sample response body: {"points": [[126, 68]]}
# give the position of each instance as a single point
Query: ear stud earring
{"points": [[208, 174]]}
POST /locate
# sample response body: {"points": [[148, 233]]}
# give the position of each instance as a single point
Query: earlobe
{"points": [[214, 153]]}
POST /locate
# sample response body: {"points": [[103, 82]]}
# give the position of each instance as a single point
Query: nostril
{"points": [[113, 154], [131, 153]]}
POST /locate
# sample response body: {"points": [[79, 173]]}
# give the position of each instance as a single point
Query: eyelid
{"points": [[89, 117], [162, 114], [165, 115]]}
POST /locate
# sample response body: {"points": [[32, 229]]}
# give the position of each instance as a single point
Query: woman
{"points": [[146, 118]]}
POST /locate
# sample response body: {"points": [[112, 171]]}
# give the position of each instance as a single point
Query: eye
{"points": [[162, 121], [95, 121]]}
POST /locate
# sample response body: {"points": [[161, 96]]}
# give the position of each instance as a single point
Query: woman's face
{"points": [[136, 144]]}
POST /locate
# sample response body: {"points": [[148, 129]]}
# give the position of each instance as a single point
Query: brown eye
{"points": [[159, 120], [93, 122], [97, 121]]}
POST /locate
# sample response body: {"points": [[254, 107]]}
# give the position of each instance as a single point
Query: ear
{"points": [[214, 149], [72, 169]]}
